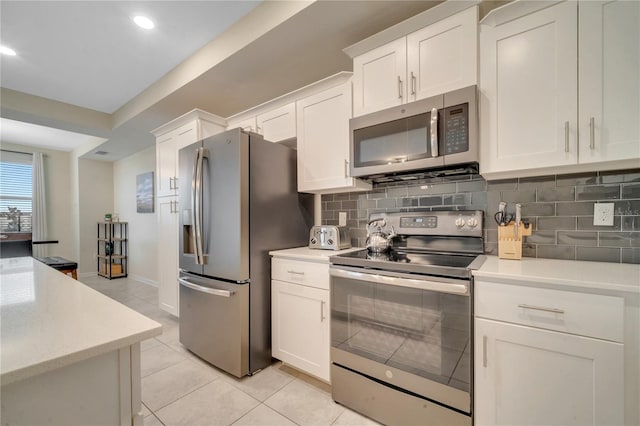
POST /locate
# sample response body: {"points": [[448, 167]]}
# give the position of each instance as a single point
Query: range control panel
{"points": [[465, 223]]}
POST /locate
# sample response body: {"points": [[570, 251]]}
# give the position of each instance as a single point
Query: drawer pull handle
{"points": [[541, 308], [296, 272], [484, 351], [322, 311]]}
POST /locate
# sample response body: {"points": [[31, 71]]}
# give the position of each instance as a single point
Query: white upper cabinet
{"points": [[323, 142], [278, 124], [432, 60], [560, 88], [609, 69], [247, 124]]}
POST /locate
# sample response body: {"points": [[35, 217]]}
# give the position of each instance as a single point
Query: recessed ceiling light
{"points": [[7, 51], [144, 22]]}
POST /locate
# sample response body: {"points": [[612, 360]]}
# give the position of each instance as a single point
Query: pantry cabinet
{"points": [[323, 142], [170, 138], [427, 62], [560, 88], [546, 356]]}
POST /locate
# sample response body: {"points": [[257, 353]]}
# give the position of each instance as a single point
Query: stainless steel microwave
{"points": [[437, 133]]}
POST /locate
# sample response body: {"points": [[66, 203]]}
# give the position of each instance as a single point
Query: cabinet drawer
{"points": [[583, 314], [311, 274]]}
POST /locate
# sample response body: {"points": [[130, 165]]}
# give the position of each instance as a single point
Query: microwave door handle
{"points": [[434, 132]]}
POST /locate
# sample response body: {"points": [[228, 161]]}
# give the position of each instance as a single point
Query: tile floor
{"points": [[178, 388]]}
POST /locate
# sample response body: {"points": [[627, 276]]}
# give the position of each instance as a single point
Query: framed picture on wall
{"points": [[144, 193]]}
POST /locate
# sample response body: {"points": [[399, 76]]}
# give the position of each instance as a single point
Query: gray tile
{"points": [[524, 196], [217, 403], [471, 186], [408, 202], [151, 420], [340, 197], [537, 182], [618, 176], [377, 194], [578, 238], [491, 236], [598, 254], [529, 250], [502, 184], [326, 197], [304, 404], [149, 343], [556, 252], [431, 201], [567, 193], [631, 190], [145, 410], [329, 214], [555, 223], [630, 255], [263, 384], [491, 248], [168, 385], [541, 237], [539, 209], [435, 188], [349, 205], [387, 203], [575, 209], [158, 358], [397, 192], [478, 198], [619, 239], [334, 205], [585, 223], [367, 204], [577, 179], [455, 199], [627, 208], [263, 416], [630, 223], [597, 192]]}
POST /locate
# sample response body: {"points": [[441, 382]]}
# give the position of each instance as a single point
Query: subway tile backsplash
{"points": [[559, 207]]}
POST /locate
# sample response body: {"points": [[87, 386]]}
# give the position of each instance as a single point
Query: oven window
{"points": [[418, 331], [393, 142]]}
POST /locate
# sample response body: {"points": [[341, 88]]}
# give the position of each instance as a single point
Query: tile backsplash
{"points": [[559, 207]]}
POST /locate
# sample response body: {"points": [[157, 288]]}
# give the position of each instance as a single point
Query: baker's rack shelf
{"points": [[112, 257]]}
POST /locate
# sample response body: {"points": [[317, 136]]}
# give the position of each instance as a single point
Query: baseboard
{"points": [[144, 280]]}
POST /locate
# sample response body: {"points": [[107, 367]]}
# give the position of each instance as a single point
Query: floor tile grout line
{"points": [[188, 393]]}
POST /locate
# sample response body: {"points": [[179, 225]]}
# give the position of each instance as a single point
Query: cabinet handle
{"points": [[295, 272], [399, 87], [541, 308], [170, 206], [484, 351], [592, 133], [413, 83], [170, 183], [566, 136], [346, 168], [175, 183], [322, 311]]}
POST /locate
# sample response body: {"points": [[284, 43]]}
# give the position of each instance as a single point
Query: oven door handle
{"points": [[461, 288]]}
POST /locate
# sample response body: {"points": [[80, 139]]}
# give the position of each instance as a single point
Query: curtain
{"points": [[39, 208]]}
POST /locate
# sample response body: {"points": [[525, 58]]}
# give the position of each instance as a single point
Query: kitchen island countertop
{"points": [[572, 273], [49, 320]]}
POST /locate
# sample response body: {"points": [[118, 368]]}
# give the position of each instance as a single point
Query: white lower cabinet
{"points": [[543, 357], [167, 254], [300, 307]]}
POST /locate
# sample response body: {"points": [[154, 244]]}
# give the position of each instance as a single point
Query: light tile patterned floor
{"points": [[179, 388]]}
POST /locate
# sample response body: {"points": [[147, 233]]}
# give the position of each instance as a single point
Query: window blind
{"points": [[16, 175]]}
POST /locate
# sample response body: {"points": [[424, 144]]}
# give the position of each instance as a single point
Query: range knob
{"points": [[472, 222], [460, 222]]}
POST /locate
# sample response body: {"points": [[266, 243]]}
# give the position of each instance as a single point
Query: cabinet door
{"points": [[609, 68], [300, 327], [380, 78], [323, 141], [443, 56], [278, 124], [528, 376], [168, 255], [166, 164], [528, 96]]}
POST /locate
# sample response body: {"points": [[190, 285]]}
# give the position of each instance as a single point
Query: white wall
{"points": [[142, 226], [95, 198], [57, 168]]}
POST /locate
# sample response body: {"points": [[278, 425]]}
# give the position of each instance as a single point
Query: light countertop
{"points": [[305, 253], [594, 275], [49, 320]]}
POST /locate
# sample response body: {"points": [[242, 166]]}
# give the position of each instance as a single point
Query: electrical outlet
{"points": [[342, 219], [603, 214]]}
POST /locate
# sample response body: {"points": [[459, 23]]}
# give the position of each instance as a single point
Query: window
{"points": [[16, 177]]}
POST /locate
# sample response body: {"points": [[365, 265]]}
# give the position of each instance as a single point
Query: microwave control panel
{"points": [[456, 129]]}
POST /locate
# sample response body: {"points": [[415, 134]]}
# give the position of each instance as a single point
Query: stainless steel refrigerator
{"points": [[238, 201]]}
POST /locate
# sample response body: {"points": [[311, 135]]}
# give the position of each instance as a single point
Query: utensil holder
{"points": [[510, 247]]}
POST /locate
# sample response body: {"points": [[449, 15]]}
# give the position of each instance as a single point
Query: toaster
{"points": [[329, 237]]}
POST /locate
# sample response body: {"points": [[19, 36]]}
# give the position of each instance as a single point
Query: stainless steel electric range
{"points": [[401, 320]]}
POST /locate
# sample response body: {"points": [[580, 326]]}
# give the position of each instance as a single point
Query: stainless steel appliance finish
{"points": [[401, 320], [437, 134], [329, 237], [242, 202]]}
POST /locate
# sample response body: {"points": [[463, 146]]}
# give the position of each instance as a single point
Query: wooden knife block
{"points": [[508, 246]]}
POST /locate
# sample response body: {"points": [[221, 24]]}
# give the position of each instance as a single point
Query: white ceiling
{"points": [[84, 67]]}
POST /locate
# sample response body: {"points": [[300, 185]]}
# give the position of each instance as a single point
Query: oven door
{"points": [[412, 333]]}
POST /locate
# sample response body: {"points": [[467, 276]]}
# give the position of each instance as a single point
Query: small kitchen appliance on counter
{"points": [[329, 237]]}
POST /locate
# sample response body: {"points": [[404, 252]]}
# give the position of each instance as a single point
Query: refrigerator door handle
{"points": [[194, 223], [197, 206], [214, 291]]}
